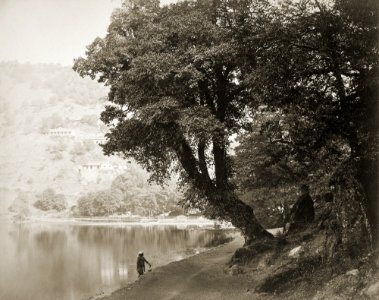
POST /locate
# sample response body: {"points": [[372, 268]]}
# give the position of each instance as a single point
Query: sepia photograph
{"points": [[189, 149]]}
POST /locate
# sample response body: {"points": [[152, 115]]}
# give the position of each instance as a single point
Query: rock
{"points": [[235, 270], [296, 252], [264, 261], [321, 296], [243, 256], [354, 272], [319, 250], [372, 292], [341, 287]]}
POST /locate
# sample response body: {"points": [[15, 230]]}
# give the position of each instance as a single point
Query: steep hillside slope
{"points": [[50, 134]]}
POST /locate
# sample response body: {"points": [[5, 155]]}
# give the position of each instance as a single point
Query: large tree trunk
{"points": [[350, 205], [223, 201], [241, 216], [369, 177]]}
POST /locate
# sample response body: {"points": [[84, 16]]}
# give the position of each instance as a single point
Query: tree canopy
{"points": [[318, 83], [49, 200], [185, 78]]}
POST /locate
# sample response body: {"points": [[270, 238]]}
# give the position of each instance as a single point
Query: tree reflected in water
{"points": [[63, 261]]}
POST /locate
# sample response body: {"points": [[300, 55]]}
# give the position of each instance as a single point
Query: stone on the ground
{"points": [[372, 292], [235, 270], [354, 272], [340, 287], [243, 256], [321, 296], [264, 261], [296, 252]]}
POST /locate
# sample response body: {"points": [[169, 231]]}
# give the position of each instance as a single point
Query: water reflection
{"points": [[55, 261]]}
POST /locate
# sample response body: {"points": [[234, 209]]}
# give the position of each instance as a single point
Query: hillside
{"points": [[50, 134]]}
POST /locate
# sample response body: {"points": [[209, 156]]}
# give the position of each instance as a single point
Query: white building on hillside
{"points": [[102, 166], [98, 171], [61, 132], [96, 138]]}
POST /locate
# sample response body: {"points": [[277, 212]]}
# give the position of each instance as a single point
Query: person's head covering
{"points": [[304, 188], [140, 253]]}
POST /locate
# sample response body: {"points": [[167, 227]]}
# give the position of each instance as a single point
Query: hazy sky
{"points": [[52, 31]]}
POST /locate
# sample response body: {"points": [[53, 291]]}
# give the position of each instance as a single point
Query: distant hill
{"points": [[49, 134]]}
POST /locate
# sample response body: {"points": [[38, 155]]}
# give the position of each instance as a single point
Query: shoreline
{"points": [[140, 221], [176, 279], [165, 282], [201, 222]]}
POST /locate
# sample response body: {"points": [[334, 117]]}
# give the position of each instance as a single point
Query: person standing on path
{"points": [[141, 260]]}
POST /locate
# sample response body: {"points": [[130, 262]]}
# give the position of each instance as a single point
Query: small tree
{"points": [[20, 206], [101, 203], [139, 195], [49, 200]]}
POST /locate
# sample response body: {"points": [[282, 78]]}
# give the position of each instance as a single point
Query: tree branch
{"points": [[205, 95], [190, 164], [202, 161]]}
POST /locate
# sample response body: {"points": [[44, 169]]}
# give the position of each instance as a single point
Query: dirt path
{"points": [[201, 277], [206, 276]]}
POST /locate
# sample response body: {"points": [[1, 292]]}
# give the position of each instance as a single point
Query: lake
{"points": [[56, 261]]}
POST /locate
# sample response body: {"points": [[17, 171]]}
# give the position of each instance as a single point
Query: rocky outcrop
{"points": [[372, 291]]}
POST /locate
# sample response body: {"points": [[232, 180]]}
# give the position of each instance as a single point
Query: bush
{"points": [[49, 200], [101, 203], [137, 196], [20, 205]]}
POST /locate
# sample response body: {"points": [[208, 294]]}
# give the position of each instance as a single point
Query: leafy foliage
{"points": [[130, 193], [317, 83], [177, 95], [20, 205], [101, 203], [159, 75], [296, 81], [139, 197], [49, 200]]}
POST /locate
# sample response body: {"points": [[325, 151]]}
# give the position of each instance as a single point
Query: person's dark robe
{"points": [[302, 213]]}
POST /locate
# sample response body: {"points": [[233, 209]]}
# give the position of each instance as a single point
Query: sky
{"points": [[52, 31]]}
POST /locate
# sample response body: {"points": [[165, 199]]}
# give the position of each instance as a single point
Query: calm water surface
{"points": [[64, 261]]}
